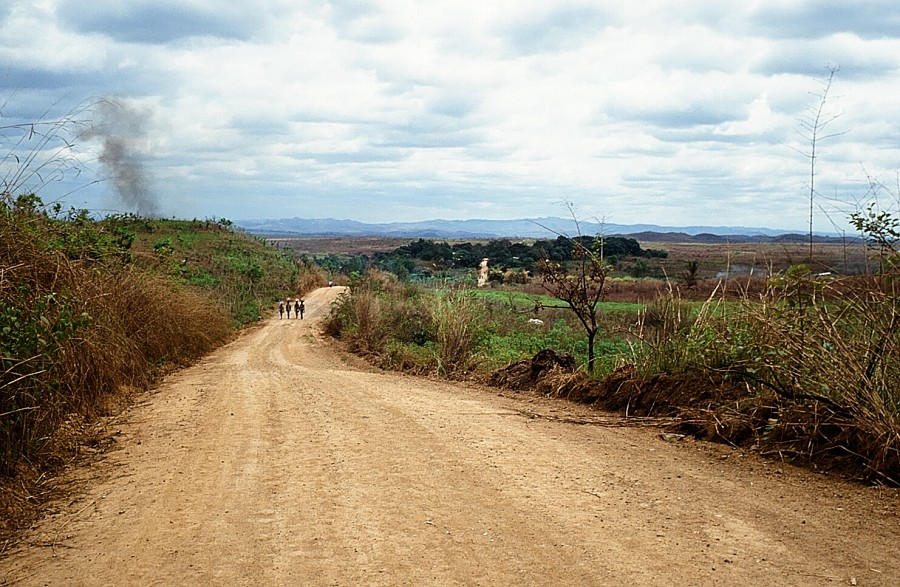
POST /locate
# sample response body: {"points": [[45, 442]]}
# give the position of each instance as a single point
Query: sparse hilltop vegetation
{"points": [[92, 309]]}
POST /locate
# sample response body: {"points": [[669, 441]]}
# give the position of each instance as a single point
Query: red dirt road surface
{"points": [[279, 461]]}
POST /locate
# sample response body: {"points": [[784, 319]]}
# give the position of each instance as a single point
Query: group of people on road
{"points": [[298, 306]]}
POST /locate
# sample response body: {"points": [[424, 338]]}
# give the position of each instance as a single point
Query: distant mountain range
{"points": [[549, 227]]}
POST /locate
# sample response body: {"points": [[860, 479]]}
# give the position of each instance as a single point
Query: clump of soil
{"points": [[529, 373]]}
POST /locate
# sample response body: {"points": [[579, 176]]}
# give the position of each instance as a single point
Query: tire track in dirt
{"points": [[276, 461]]}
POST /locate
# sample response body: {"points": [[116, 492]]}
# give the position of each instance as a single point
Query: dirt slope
{"points": [[275, 461]]}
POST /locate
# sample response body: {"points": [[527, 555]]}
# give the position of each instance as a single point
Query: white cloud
{"points": [[645, 112]]}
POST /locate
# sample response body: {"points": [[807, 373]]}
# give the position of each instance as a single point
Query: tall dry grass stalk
{"points": [[359, 317], [676, 336], [836, 346], [416, 329], [368, 318], [457, 319]]}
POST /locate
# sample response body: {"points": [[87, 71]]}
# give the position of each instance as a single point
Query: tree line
{"points": [[506, 254]]}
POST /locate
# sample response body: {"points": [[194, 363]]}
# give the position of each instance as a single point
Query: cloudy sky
{"points": [[675, 113]]}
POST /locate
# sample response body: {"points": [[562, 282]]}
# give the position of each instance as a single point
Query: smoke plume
{"points": [[122, 129]]}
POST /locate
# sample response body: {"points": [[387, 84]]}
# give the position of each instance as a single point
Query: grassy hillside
{"points": [[242, 274], [90, 310]]}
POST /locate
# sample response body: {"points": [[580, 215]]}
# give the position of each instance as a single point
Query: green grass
{"points": [[242, 272], [412, 327], [504, 346]]}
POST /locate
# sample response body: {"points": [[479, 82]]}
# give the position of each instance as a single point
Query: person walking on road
{"points": [[300, 308], [288, 306], [280, 309]]}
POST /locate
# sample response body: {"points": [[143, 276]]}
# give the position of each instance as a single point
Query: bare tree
{"points": [[601, 235], [812, 128], [580, 284]]}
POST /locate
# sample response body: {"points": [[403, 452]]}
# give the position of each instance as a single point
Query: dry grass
{"points": [[310, 278], [760, 259], [456, 317], [409, 328], [807, 370], [832, 351], [76, 334]]}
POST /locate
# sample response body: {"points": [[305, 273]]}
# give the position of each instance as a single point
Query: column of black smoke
{"points": [[121, 129]]}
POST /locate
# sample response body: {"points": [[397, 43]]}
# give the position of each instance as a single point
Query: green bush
{"points": [[408, 323]]}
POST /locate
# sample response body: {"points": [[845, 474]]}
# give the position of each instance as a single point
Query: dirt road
{"points": [[277, 461]]}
